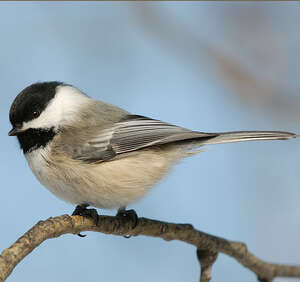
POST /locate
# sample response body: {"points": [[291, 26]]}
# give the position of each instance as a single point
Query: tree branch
{"points": [[206, 259], [208, 246]]}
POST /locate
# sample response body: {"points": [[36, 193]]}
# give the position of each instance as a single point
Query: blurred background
{"points": [[205, 66]]}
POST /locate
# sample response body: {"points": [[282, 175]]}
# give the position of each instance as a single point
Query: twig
{"points": [[206, 259], [57, 226]]}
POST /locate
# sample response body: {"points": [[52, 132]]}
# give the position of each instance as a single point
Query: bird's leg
{"points": [[129, 214], [80, 209], [83, 211]]}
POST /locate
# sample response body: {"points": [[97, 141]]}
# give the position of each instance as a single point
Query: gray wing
{"points": [[133, 133]]}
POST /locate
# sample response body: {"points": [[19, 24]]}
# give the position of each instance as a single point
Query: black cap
{"points": [[31, 101]]}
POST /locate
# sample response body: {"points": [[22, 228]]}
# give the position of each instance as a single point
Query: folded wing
{"points": [[134, 133]]}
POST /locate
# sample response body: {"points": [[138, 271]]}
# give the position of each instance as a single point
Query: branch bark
{"points": [[206, 259], [208, 246]]}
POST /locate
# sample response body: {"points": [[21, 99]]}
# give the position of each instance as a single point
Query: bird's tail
{"points": [[240, 136]]}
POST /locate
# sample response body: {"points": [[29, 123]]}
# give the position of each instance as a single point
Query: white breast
{"points": [[45, 172], [38, 164], [105, 185]]}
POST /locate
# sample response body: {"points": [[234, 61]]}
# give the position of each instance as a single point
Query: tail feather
{"points": [[240, 136]]}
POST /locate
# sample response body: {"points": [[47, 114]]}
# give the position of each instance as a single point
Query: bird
{"points": [[91, 153]]}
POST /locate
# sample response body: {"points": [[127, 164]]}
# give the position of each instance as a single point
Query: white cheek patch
{"points": [[62, 108], [47, 119]]}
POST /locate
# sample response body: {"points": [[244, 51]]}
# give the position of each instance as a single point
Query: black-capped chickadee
{"points": [[91, 153]]}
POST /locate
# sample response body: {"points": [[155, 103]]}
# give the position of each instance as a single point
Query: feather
{"points": [[241, 136], [135, 132]]}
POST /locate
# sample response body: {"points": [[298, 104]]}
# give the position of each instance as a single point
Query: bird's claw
{"points": [[129, 215], [83, 211]]}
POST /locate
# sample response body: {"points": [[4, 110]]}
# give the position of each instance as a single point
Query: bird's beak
{"points": [[15, 131]]}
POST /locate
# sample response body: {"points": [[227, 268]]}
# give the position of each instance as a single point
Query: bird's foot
{"points": [[129, 215], [83, 211]]}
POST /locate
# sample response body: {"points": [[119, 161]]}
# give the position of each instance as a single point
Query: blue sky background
{"points": [[205, 66]]}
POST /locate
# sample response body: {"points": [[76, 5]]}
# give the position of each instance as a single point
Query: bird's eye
{"points": [[36, 114]]}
